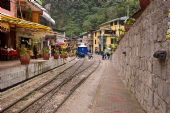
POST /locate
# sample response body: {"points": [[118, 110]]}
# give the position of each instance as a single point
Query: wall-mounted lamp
{"points": [[161, 55]]}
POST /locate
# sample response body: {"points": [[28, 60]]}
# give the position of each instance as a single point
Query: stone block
{"points": [[159, 104], [150, 65], [149, 79], [156, 67], [22, 72], [163, 90]]}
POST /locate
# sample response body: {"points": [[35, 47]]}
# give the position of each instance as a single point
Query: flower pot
{"points": [[56, 56], [127, 27], [144, 3], [24, 59], [63, 56], [46, 56]]}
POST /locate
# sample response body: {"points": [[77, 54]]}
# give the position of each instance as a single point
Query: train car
{"points": [[82, 50]]}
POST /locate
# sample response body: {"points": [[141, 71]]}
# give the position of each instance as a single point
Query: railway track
{"points": [[54, 93], [21, 96]]}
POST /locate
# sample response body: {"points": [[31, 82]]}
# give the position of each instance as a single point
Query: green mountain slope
{"points": [[76, 16]]}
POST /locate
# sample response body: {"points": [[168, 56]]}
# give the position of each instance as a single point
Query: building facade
{"points": [[108, 34], [20, 25]]}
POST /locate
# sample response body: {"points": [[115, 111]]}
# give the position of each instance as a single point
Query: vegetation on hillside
{"points": [[76, 16]]}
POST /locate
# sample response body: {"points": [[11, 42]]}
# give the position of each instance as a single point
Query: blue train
{"points": [[82, 51]]}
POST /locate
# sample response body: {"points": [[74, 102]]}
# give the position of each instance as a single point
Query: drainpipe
{"points": [[102, 40], [20, 9]]}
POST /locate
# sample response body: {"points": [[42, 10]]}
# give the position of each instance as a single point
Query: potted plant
{"points": [[128, 23], [46, 55], [56, 54], [63, 54], [24, 56]]}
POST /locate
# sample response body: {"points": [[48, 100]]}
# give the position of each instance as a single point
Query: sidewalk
{"points": [[103, 92], [112, 96]]}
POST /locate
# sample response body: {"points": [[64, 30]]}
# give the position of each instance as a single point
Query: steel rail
{"points": [[74, 88], [54, 90], [12, 104]]}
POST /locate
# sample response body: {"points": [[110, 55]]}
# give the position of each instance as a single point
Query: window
{"points": [[95, 33], [115, 22], [111, 40], [5, 4], [111, 24], [95, 41], [114, 32], [121, 22], [108, 32]]}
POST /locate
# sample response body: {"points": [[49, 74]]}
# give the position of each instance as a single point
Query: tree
{"points": [[82, 15]]}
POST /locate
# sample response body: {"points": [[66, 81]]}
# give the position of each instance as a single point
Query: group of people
{"points": [[106, 55]]}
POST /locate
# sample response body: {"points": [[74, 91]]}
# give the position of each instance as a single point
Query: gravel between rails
{"points": [[39, 92], [13, 95], [62, 94]]}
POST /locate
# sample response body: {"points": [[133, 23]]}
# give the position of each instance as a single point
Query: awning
{"points": [[23, 23]]}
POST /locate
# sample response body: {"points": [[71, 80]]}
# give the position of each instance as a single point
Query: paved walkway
{"points": [[112, 96], [103, 92]]}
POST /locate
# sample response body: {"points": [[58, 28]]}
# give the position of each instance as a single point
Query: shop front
{"points": [[16, 33], [7, 42]]}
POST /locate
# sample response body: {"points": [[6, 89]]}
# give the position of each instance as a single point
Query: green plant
{"points": [[129, 21], [56, 51], [23, 51], [45, 50], [62, 52], [121, 30]]}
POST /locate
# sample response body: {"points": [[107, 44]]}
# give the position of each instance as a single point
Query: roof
{"points": [[82, 34], [121, 18], [45, 12]]}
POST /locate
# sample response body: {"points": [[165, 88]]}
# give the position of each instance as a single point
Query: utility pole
{"points": [[128, 12]]}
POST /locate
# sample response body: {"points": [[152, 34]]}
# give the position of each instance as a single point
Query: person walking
{"points": [[111, 53], [35, 51], [103, 55], [108, 55]]}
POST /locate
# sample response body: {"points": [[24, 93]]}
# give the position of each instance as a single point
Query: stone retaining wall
{"points": [[146, 76], [14, 75]]}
